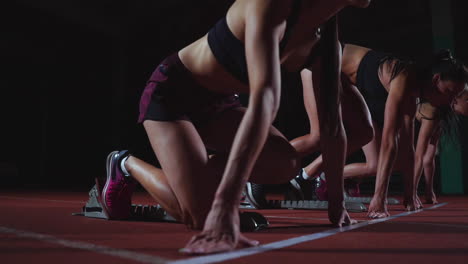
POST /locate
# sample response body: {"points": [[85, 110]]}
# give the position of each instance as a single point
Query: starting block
{"points": [[249, 221], [153, 213], [351, 206], [252, 221], [367, 200], [313, 205], [93, 207]]}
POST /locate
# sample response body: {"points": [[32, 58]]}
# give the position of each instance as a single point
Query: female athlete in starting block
{"points": [[190, 104], [395, 92]]}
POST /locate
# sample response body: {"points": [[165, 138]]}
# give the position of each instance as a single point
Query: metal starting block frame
{"points": [[249, 221], [351, 206], [93, 207], [313, 205], [139, 212], [367, 200]]}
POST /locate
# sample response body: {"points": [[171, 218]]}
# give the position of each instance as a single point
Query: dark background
{"points": [[72, 72]]}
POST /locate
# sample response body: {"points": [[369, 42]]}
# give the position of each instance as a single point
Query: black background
{"points": [[72, 72]]}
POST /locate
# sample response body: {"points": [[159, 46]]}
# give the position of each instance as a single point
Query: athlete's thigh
{"points": [[310, 102], [219, 132], [277, 158], [184, 161], [356, 114]]}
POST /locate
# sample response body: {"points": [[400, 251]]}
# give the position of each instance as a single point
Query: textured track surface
{"points": [[39, 227]]}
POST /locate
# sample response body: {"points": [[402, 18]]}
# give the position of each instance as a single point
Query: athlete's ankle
{"points": [[123, 168]]}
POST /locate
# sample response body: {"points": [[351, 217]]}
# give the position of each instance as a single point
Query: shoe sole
{"points": [[250, 197], [297, 187], [109, 165]]}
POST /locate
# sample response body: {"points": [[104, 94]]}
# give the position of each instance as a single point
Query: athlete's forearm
{"points": [[418, 169], [429, 165], [332, 135], [334, 154], [388, 153], [307, 144], [429, 168], [421, 148]]}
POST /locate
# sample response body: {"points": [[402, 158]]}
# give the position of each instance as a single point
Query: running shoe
{"points": [[118, 190], [352, 188], [300, 189], [321, 190], [256, 195]]}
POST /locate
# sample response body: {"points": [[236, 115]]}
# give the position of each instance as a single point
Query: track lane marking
{"points": [[202, 259], [40, 199], [122, 253], [288, 242]]}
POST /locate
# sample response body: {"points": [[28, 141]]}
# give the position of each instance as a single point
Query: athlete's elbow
{"points": [[272, 98], [268, 100]]}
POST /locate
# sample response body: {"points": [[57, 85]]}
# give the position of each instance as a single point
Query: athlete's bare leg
{"points": [[429, 170]]}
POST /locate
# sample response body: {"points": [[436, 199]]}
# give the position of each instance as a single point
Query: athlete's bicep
{"points": [[262, 33], [394, 107]]}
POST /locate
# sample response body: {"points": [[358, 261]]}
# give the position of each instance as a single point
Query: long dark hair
{"points": [[444, 64], [441, 63], [448, 67]]}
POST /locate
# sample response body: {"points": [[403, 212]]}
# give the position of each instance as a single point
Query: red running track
{"points": [[38, 227]]}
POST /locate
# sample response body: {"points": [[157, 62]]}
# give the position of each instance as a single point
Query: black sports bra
{"points": [[230, 51]]}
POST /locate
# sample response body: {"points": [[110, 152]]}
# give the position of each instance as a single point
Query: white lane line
{"points": [[40, 200], [288, 242], [143, 258]]}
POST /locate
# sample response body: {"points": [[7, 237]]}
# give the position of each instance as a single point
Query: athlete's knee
{"points": [[361, 132], [371, 168], [428, 160], [278, 162], [287, 157], [311, 141]]}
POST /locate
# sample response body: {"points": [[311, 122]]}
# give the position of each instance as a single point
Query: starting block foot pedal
{"points": [[313, 205], [367, 200], [155, 213], [252, 221], [355, 207], [249, 221], [93, 207], [392, 201]]}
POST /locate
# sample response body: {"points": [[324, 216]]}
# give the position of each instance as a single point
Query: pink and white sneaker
{"points": [[352, 188], [118, 190], [321, 190]]}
